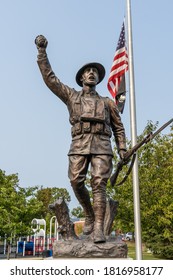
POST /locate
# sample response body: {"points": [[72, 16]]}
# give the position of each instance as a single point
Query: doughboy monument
{"points": [[93, 120]]}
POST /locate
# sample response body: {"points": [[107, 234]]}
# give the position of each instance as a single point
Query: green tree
{"points": [[18, 207], [78, 212], [156, 192], [156, 181], [48, 196], [59, 193], [44, 195]]}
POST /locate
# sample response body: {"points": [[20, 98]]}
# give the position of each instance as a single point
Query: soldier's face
{"points": [[90, 76]]}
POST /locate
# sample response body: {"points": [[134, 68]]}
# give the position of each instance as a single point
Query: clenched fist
{"points": [[41, 41]]}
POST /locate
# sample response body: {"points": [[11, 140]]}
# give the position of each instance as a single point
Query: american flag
{"points": [[119, 67]]}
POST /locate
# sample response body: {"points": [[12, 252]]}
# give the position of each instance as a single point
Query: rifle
{"points": [[132, 152]]}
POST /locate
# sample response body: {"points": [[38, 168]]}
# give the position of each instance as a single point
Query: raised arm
{"points": [[49, 77]]}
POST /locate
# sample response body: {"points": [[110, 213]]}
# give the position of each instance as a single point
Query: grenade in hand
{"points": [[41, 41]]}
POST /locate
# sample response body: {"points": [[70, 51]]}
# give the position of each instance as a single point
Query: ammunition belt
{"points": [[91, 127]]}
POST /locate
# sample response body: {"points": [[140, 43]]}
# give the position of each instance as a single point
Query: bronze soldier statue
{"points": [[93, 119]]}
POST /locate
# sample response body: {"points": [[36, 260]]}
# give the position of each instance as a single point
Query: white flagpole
{"points": [[136, 197]]}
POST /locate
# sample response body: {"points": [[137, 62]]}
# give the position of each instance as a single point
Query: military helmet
{"points": [[100, 68]]}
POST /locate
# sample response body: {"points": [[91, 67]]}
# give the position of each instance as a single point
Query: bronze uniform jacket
{"points": [[87, 137]]}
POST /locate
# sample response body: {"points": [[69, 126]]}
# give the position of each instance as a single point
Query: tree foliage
{"points": [[48, 196], [155, 164], [78, 212], [18, 206]]}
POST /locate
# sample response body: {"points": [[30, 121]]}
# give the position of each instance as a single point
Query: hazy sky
{"points": [[35, 132]]}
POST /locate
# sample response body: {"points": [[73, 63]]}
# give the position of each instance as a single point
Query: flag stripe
{"points": [[119, 66], [118, 61], [118, 70], [120, 52]]}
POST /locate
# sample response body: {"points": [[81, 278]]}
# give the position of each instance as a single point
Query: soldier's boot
{"points": [[83, 197], [99, 211], [89, 224], [98, 233]]}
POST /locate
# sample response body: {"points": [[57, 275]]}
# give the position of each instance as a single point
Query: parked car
{"points": [[128, 236]]}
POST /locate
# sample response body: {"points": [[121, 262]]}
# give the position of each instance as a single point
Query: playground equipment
{"points": [[36, 225], [39, 242], [55, 236], [39, 228], [25, 248]]}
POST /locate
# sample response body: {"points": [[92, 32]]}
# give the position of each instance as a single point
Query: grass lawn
{"points": [[145, 254]]}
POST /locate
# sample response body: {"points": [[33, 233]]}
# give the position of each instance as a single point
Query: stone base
{"points": [[87, 249]]}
